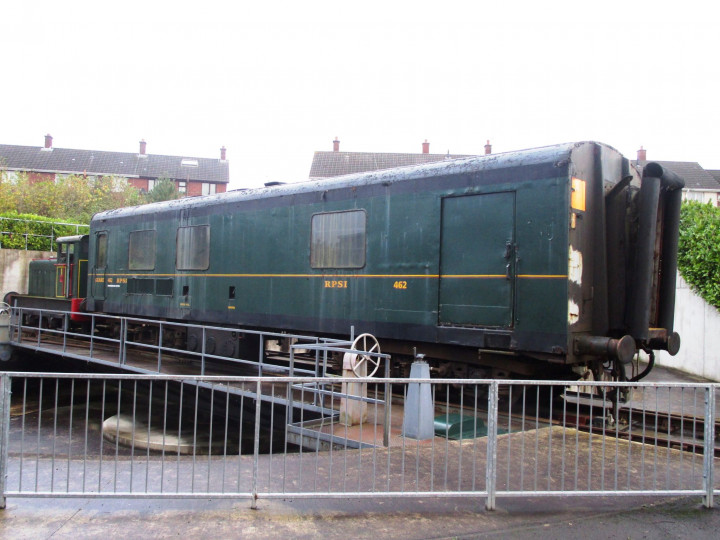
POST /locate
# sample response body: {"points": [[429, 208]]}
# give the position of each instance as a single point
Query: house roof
{"points": [[96, 162], [694, 175], [327, 164]]}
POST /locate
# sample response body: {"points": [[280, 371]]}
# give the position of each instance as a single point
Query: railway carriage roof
{"points": [[559, 155]]}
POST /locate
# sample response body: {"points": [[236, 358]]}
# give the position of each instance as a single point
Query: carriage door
{"points": [[477, 260], [100, 265]]}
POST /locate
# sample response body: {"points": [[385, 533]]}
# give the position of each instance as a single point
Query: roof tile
{"points": [[96, 162], [327, 164], [692, 172]]}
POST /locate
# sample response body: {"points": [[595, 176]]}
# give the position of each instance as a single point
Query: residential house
{"points": [[700, 184], [192, 175], [336, 163]]}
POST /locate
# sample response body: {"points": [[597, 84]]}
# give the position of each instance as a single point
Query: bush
{"points": [[72, 199], [699, 249], [28, 231]]}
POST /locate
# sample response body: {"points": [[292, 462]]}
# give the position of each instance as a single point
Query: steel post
{"points": [[709, 448], [388, 404], [491, 466], [4, 432], [256, 446]]}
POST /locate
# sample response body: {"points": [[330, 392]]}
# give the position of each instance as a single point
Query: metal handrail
{"points": [[51, 236]]}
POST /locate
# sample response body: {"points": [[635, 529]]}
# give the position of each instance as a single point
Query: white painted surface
{"points": [[575, 266], [698, 324]]}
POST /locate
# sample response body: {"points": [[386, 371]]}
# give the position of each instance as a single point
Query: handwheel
{"points": [[361, 344]]}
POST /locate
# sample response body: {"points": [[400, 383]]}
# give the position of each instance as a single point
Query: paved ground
{"points": [[447, 518]]}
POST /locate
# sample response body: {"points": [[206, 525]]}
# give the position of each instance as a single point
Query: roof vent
{"points": [[189, 162]]}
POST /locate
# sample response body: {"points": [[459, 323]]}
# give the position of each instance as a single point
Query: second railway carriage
{"points": [[558, 257]]}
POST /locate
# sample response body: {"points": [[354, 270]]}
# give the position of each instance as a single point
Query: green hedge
{"points": [[28, 231], [699, 249]]}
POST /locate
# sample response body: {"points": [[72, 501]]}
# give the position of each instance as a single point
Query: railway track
{"points": [[635, 423], [638, 423]]}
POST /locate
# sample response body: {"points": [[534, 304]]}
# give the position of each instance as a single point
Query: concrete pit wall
{"points": [[14, 264], [698, 324]]}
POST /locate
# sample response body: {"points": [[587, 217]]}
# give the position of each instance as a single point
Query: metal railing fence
{"points": [[90, 344], [46, 242], [161, 436]]}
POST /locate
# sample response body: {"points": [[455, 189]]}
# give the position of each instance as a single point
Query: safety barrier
{"points": [[18, 233], [160, 436], [50, 331]]}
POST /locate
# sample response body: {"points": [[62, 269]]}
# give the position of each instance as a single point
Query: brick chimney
{"points": [[48, 141], [642, 154], [488, 148], [143, 147], [223, 152], [426, 147], [336, 145]]}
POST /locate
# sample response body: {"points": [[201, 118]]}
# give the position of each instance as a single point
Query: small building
{"points": [[192, 175]]}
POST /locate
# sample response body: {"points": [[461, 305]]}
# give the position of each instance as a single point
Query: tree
{"points": [[164, 190], [72, 198]]}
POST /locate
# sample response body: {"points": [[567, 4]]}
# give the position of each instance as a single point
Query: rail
{"points": [[162, 436]]}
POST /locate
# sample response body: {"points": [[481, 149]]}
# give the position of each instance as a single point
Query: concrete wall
{"points": [[698, 324], [14, 269]]}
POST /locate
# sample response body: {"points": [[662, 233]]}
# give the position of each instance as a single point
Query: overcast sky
{"points": [[275, 81]]}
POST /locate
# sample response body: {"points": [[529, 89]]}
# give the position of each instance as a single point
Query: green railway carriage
{"points": [[558, 256]]}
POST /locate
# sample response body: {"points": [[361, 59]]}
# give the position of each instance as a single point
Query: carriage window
{"points": [[61, 255], [338, 240], [193, 248], [101, 250], [141, 253]]}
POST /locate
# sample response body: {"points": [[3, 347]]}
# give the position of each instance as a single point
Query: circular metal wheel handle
{"points": [[361, 344]]}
